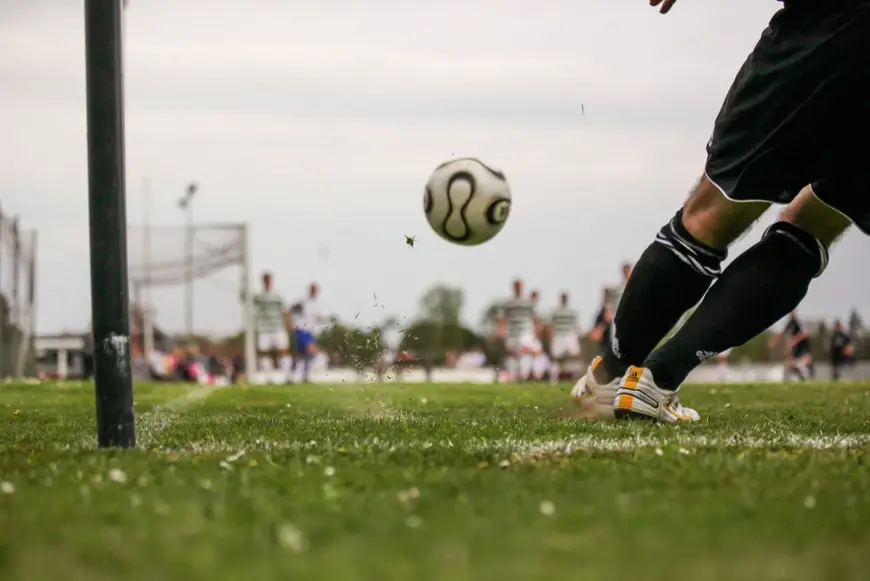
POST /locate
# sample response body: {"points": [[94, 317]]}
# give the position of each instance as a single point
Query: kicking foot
{"points": [[594, 399], [639, 397]]}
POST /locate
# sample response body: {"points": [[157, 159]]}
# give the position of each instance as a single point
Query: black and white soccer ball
{"points": [[466, 201]]}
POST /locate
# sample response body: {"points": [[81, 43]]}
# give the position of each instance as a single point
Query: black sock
{"points": [[670, 278], [760, 287]]}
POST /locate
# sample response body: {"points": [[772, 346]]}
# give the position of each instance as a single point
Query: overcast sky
{"points": [[317, 123]]}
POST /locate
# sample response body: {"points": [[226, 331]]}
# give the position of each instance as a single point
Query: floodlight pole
{"points": [[108, 224]]}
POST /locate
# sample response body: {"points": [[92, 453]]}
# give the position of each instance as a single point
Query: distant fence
{"points": [[17, 297]]}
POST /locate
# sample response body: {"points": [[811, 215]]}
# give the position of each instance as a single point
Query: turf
{"points": [[452, 482]]}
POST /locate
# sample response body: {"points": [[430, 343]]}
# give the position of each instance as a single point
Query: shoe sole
{"points": [[632, 415]]}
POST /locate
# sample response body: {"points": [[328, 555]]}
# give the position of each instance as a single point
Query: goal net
{"points": [[17, 297], [190, 285]]}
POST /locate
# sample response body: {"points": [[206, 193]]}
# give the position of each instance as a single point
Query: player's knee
{"points": [[811, 215], [808, 243], [716, 221], [703, 259]]}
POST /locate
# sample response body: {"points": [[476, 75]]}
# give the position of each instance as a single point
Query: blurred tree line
{"points": [[437, 330]]}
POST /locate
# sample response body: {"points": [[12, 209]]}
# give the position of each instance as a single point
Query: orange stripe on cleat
{"points": [[624, 402]]}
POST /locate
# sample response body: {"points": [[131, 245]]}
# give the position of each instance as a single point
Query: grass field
{"points": [[452, 482]]}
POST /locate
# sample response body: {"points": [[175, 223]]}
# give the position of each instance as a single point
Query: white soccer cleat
{"points": [[595, 398], [639, 397]]}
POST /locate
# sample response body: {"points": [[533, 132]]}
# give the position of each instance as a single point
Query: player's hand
{"points": [[664, 5]]}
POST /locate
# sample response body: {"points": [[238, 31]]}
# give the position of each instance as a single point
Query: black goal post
{"points": [[110, 307]]}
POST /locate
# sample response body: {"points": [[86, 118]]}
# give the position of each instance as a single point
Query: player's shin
{"points": [[512, 364], [671, 276], [306, 366], [555, 371], [287, 367], [527, 365], [758, 289], [540, 366]]}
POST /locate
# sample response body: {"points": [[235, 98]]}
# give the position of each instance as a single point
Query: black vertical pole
{"points": [[108, 224]]}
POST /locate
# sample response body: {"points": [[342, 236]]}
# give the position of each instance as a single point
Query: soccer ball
{"points": [[466, 201]]}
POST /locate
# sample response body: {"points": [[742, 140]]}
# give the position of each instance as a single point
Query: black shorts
{"points": [[801, 352], [798, 112]]}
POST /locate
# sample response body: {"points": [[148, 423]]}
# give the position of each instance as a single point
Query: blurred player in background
{"points": [[307, 319], [799, 360], [540, 360], [564, 338], [271, 323], [842, 350], [516, 325], [602, 329], [602, 333], [616, 293]]}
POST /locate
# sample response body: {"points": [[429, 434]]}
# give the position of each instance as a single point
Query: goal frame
{"points": [[144, 283]]}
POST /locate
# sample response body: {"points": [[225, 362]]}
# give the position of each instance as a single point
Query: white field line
{"points": [[558, 447], [150, 424]]}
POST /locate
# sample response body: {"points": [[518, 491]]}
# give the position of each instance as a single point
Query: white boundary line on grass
{"points": [[150, 424], [558, 447]]}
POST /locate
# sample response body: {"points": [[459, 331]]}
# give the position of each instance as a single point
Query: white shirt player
{"points": [[308, 318], [269, 322], [616, 297], [565, 323], [519, 314]]}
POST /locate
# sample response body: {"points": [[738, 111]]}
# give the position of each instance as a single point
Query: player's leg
{"points": [[541, 366], [556, 366], [674, 272], [805, 364], [304, 344], [569, 349], [540, 360], [835, 369], [526, 358], [512, 359], [759, 288], [264, 349], [670, 277], [513, 366], [310, 352], [801, 365], [285, 362], [557, 359], [795, 369], [576, 364], [793, 114]]}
